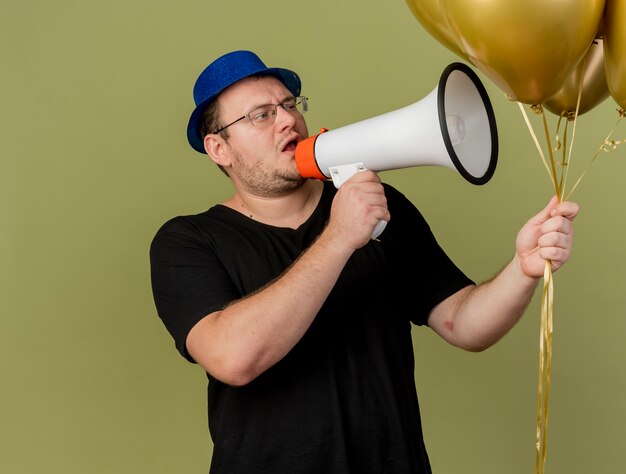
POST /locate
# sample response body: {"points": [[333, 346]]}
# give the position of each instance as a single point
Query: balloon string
{"points": [[607, 146], [559, 182], [571, 145], [545, 366], [534, 137], [565, 160], [539, 109], [545, 336]]}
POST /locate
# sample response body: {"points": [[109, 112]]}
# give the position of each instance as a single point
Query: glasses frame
{"points": [[300, 99]]}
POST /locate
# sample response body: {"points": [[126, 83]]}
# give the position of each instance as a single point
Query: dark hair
{"points": [[211, 121]]}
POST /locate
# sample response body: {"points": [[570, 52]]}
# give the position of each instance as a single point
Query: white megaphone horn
{"points": [[453, 126]]}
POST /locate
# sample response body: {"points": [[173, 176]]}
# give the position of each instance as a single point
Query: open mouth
{"points": [[291, 146]]}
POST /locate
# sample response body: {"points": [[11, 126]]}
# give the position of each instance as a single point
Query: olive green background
{"points": [[94, 102]]}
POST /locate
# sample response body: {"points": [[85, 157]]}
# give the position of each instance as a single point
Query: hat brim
{"points": [[289, 78]]}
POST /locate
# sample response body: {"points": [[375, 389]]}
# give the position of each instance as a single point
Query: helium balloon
{"points": [[600, 32], [431, 17], [615, 49], [590, 76], [527, 48]]}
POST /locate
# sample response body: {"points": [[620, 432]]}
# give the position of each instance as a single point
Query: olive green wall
{"points": [[94, 101]]}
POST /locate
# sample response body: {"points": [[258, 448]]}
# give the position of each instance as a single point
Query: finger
{"points": [[365, 176], [567, 209], [559, 224], [556, 256], [545, 213], [555, 240]]}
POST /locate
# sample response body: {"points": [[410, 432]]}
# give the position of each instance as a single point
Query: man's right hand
{"points": [[358, 206]]}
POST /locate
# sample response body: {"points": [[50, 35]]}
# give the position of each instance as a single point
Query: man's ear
{"points": [[217, 149]]}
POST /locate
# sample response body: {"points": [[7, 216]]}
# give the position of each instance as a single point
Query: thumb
{"points": [[546, 212]]}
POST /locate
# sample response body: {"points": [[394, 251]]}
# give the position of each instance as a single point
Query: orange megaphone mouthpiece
{"points": [[305, 158]]}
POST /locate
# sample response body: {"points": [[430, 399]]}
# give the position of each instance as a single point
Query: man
{"points": [[301, 320]]}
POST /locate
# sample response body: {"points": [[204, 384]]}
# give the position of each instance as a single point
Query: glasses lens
{"points": [[303, 104], [266, 114], [296, 104], [262, 114]]}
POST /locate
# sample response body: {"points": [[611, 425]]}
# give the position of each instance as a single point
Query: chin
{"points": [[293, 180]]}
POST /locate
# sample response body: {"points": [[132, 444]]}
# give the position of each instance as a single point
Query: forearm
{"points": [[249, 336], [478, 316]]}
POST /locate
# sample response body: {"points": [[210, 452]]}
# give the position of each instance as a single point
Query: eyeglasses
{"points": [[265, 115]]}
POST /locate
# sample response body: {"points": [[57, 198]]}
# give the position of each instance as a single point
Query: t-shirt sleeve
{"points": [[188, 280], [429, 270]]}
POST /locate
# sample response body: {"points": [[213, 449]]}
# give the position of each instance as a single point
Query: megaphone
{"points": [[453, 126]]}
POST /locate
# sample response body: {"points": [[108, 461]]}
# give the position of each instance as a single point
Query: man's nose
{"points": [[282, 116]]}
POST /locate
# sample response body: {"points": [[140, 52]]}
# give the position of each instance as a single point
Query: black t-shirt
{"points": [[343, 400]]}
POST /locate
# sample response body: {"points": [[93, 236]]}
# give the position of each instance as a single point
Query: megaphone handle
{"points": [[379, 229], [340, 174]]}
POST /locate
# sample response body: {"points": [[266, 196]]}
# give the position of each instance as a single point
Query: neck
{"points": [[289, 210]]}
